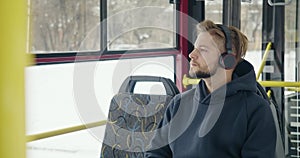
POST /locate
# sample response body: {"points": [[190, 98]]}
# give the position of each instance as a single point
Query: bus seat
{"points": [[132, 117], [280, 153]]}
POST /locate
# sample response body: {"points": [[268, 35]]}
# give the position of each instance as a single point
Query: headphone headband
{"points": [[227, 59], [226, 32]]}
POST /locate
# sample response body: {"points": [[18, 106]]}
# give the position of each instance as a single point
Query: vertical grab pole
{"points": [[13, 28]]}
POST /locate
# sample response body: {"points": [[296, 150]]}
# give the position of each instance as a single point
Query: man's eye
{"points": [[203, 50]]}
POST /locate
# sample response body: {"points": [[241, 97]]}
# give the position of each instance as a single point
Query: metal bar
{"points": [[103, 25], [297, 89], [279, 3], [39, 136], [189, 81], [13, 60], [273, 23], [263, 63], [174, 1], [279, 84], [278, 62], [232, 13], [269, 93]]}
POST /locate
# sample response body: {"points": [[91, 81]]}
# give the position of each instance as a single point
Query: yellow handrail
{"points": [[34, 137], [269, 93], [190, 81], [279, 84], [296, 89], [264, 59], [12, 63]]}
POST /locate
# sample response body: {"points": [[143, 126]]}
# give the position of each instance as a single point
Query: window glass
{"points": [[251, 26], [214, 10], [156, 88], [251, 23], [62, 25], [80, 144], [67, 91], [140, 24], [290, 42], [291, 74]]}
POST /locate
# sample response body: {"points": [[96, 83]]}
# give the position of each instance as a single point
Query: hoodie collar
{"points": [[243, 79]]}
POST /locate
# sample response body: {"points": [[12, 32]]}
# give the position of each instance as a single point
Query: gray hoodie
{"points": [[231, 122]]}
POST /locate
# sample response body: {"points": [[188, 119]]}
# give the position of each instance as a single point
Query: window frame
{"points": [[104, 53]]}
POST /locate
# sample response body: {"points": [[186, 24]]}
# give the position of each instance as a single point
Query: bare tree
{"points": [[61, 25]]}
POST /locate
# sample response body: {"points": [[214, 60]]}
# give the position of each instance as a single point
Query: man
{"points": [[222, 117]]}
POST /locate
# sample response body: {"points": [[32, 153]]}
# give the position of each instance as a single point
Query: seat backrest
{"points": [[132, 118], [280, 153]]}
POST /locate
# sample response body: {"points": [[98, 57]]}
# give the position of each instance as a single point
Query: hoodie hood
{"points": [[243, 79]]}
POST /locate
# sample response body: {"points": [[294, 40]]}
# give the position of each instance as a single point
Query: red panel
{"points": [[102, 57], [181, 59]]}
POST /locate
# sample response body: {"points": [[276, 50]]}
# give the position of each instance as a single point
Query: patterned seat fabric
{"points": [[132, 120]]}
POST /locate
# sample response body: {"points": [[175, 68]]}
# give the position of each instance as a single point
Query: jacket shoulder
{"points": [[180, 98], [255, 99], [256, 103]]}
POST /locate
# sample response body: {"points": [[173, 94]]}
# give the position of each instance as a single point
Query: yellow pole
{"points": [[279, 84], [189, 81], [64, 131], [13, 27], [269, 93], [263, 62]]}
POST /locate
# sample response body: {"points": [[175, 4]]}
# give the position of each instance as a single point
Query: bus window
{"points": [[214, 10], [251, 23], [251, 26], [60, 26], [140, 24]]}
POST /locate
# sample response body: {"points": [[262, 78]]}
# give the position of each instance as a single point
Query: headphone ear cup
{"points": [[227, 61]]}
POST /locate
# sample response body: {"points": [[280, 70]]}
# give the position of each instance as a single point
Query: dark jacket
{"points": [[231, 122]]}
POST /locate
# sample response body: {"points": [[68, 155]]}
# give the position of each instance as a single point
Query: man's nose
{"points": [[194, 54]]}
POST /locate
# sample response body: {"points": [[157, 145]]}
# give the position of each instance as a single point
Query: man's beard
{"points": [[199, 74], [202, 74]]}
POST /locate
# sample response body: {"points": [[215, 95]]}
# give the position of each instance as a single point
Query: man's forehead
{"points": [[204, 39]]}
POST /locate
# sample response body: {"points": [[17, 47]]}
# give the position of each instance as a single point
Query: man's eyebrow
{"points": [[200, 45]]}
